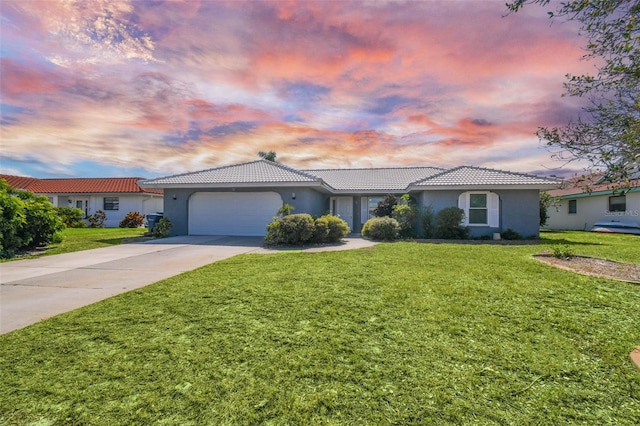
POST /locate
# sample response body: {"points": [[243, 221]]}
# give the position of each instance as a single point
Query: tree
{"points": [[609, 135], [546, 201], [270, 155], [405, 212]]}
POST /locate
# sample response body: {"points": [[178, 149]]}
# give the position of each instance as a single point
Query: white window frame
{"points": [[365, 212], [114, 202], [493, 208]]}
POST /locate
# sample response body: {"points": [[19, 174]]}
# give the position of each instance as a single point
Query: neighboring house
{"points": [[116, 196], [577, 208], [242, 199]]}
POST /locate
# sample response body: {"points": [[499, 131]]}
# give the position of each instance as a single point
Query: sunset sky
{"points": [[140, 88]]}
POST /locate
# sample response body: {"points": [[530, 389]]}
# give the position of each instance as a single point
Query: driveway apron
{"points": [[34, 289]]}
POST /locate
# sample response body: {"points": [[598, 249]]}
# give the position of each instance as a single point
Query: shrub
{"points": [[427, 222], [12, 221], [72, 217], [405, 212], [449, 224], [162, 228], [510, 234], [42, 221], [97, 220], [330, 229], [385, 207], [293, 229], [286, 209], [26, 221], [132, 220], [562, 252], [381, 228]]}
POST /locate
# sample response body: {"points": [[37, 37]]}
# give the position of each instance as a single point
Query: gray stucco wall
{"points": [[519, 210], [177, 210]]}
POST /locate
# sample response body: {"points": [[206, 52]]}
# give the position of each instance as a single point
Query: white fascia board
{"points": [[356, 192]]}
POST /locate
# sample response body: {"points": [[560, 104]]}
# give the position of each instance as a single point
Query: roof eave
{"points": [[226, 185], [595, 193], [481, 187]]}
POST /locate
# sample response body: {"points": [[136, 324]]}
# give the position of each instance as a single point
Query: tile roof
{"points": [[79, 185], [263, 172], [382, 179], [468, 176], [589, 185], [18, 182], [260, 171]]}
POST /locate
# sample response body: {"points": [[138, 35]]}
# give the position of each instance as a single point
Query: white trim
{"points": [[493, 208]]}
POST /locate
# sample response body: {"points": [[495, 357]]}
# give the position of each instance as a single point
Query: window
{"points": [[111, 203], [618, 203], [367, 206], [373, 204], [481, 208], [573, 206], [478, 209]]}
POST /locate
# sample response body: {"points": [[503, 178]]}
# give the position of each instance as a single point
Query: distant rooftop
{"points": [[124, 185]]}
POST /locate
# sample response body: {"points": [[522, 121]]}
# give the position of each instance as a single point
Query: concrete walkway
{"points": [[35, 289]]}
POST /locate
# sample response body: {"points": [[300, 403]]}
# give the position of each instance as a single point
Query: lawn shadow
{"points": [[123, 240], [570, 242]]}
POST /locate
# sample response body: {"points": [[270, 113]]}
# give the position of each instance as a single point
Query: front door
{"points": [[343, 208], [82, 205]]}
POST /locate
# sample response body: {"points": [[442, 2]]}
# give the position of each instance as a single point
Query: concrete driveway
{"points": [[35, 289]]}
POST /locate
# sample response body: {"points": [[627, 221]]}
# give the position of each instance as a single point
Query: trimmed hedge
{"points": [[299, 229], [449, 224], [381, 228], [330, 229]]}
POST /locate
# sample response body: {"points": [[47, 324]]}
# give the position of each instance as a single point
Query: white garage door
{"points": [[232, 213]]}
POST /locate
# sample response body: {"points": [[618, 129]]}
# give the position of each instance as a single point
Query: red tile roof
{"points": [[19, 182], [79, 185]]}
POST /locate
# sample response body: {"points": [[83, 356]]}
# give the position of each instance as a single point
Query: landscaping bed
{"points": [[595, 267]]}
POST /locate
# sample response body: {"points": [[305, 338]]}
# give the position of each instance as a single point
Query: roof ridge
{"points": [[443, 172], [203, 170], [502, 171], [375, 168], [289, 168]]}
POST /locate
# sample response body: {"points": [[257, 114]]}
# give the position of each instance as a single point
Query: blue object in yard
{"points": [[617, 227], [153, 219]]}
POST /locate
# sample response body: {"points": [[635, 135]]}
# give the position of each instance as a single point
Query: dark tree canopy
{"points": [[608, 136], [270, 155]]}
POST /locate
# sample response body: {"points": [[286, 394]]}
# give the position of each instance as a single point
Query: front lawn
{"points": [[78, 239], [400, 333]]}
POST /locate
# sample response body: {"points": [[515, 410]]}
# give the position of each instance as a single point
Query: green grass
{"points": [[78, 239], [618, 247], [401, 333]]}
